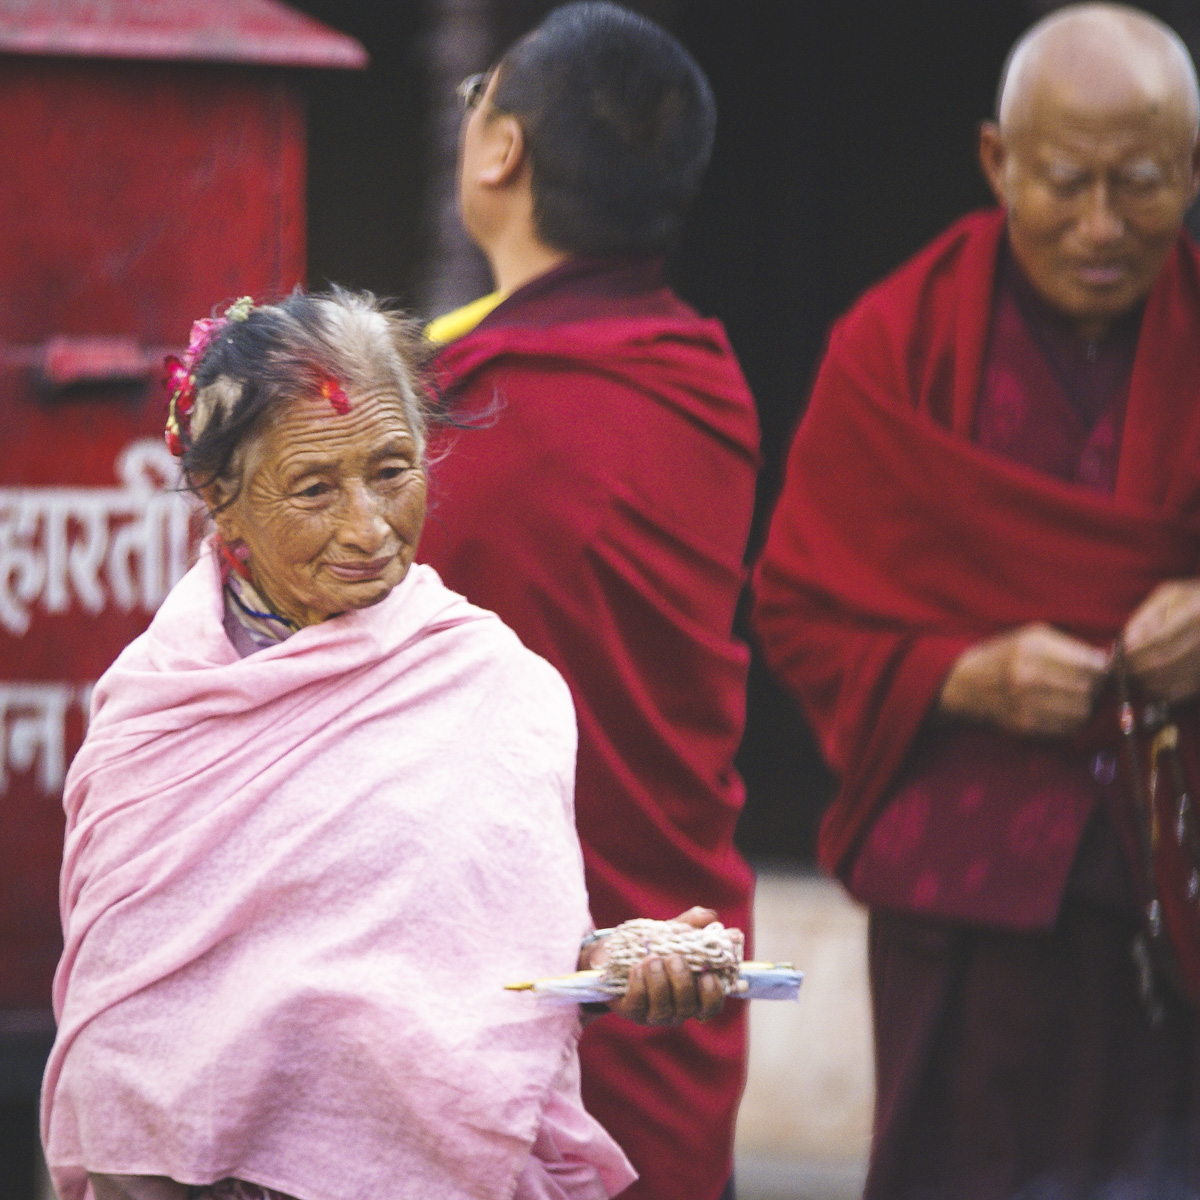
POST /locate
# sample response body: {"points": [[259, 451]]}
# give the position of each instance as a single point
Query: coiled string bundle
{"points": [[713, 948]]}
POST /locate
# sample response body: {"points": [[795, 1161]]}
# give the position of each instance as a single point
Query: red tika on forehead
{"points": [[332, 391]]}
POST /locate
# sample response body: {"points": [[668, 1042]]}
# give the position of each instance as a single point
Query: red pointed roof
{"points": [[245, 31]]}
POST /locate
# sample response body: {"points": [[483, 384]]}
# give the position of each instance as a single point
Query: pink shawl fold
{"points": [[294, 885]]}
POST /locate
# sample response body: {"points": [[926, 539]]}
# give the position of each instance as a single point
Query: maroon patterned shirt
{"points": [[985, 826]]}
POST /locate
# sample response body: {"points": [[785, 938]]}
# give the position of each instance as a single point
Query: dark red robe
{"points": [[602, 511], [981, 825], [967, 466], [897, 542]]}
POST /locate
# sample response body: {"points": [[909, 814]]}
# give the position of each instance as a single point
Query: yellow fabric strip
{"points": [[453, 325]]}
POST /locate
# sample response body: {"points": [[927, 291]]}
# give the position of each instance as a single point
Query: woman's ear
{"points": [[221, 508]]}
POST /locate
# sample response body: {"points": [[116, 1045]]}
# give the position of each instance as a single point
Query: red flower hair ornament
{"points": [[181, 378]]}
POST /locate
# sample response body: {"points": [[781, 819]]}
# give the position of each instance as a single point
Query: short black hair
{"points": [[619, 122]]}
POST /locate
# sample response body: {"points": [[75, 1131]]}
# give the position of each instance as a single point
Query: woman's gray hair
{"points": [[284, 351]]}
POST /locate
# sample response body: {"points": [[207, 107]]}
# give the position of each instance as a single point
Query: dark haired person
{"points": [[996, 477], [603, 513]]}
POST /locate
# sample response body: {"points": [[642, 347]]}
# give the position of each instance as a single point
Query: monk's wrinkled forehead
{"points": [[1098, 61]]}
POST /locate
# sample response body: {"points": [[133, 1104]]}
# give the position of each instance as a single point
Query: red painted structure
{"points": [[154, 169]]}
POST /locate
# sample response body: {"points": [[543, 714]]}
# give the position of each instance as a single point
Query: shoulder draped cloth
{"points": [[294, 885], [896, 542]]}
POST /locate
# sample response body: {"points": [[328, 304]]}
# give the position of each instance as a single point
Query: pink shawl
{"points": [[294, 885]]}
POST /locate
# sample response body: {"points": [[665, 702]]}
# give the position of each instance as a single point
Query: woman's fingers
{"points": [[660, 993], [712, 996], [685, 993], [635, 1004], [697, 916], [666, 992]]}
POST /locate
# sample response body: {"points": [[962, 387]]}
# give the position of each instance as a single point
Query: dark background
{"points": [[846, 139]]}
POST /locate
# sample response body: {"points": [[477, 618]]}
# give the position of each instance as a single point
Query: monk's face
{"points": [[331, 505], [1095, 195]]}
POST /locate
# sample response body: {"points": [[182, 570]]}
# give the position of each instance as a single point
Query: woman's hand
{"points": [[664, 991], [1162, 641]]}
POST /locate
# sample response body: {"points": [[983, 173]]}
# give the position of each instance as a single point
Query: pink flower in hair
{"points": [[181, 379], [204, 333]]}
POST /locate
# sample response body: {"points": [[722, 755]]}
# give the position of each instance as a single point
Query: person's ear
{"points": [[504, 151], [993, 159], [1194, 190], [216, 497]]}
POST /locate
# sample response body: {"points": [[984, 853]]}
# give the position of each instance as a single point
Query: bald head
{"points": [[1100, 59], [1094, 157]]}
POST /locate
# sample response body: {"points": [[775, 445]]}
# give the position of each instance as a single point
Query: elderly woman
{"points": [[323, 813]]}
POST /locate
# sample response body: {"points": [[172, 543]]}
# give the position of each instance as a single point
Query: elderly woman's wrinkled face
{"points": [[331, 506]]}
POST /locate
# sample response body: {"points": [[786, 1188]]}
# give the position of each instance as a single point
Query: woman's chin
{"points": [[366, 593], [369, 601]]}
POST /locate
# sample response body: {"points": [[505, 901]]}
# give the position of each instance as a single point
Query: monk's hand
{"points": [[1034, 681], [664, 991], [1162, 641]]}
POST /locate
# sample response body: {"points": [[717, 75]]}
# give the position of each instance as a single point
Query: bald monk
{"points": [[602, 510], [998, 474]]}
